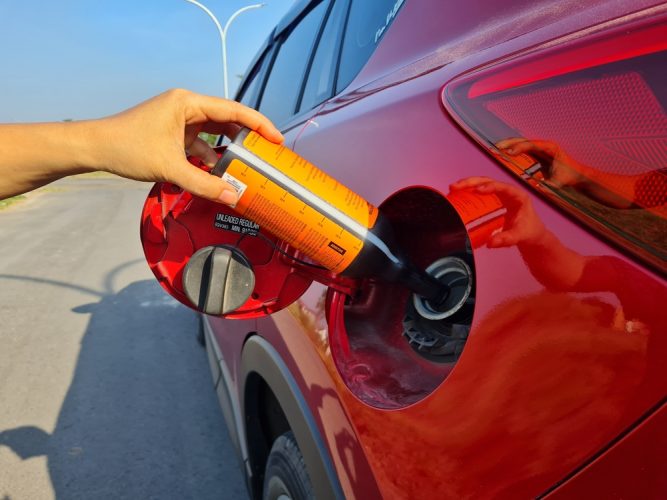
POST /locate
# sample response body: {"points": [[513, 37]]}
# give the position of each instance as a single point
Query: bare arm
{"points": [[146, 143], [36, 154]]}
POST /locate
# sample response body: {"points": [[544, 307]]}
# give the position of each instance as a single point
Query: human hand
{"points": [[560, 169], [148, 142], [522, 225]]}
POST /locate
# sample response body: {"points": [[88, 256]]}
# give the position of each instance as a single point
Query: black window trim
{"points": [[278, 41], [254, 63], [316, 45], [336, 89], [333, 91], [272, 48], [259, 70]]}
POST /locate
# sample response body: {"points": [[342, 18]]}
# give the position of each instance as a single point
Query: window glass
{"points": [[283, 86], [367, 23], [319, 86], [249, 94], [592, 139]]}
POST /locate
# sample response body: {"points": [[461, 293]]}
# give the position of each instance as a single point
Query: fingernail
{"points": [[228, 197]]}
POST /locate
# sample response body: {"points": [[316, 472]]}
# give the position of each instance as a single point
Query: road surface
{"points": [[104, 391]]}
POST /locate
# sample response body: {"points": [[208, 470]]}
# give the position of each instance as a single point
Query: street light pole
{"points": [[223, 34], [224, 39]]}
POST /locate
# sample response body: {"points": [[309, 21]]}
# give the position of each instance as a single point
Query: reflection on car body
{"points": [[550, 129]]}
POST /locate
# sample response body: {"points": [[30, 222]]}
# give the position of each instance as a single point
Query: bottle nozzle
{"points": [[426, 285], [442, 289]]}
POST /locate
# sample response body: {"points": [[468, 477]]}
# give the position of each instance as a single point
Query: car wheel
{"points": [[286, 476]]}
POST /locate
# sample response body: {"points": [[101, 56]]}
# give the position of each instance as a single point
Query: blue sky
{"points": [[89, 58]]}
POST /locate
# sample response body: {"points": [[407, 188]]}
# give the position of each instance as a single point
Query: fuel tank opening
{"points": [[456, 275], [389, 353], [438, 332]]}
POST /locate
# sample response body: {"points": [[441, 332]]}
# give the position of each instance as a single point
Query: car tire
{"points": [[286, 475]]}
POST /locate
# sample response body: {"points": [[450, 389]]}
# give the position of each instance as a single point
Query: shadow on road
{"points": [[140, 419]]}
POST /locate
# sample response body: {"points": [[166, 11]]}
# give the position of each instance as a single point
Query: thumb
{"points": [[502, 239], [204, 185]]}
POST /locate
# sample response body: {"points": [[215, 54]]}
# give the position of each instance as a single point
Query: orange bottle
{"points": [[317, 215]]}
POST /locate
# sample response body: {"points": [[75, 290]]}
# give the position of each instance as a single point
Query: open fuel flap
{"points": [[212, 260]]}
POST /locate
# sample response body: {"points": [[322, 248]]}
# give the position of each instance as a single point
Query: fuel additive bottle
{"points": [[317, 215]]}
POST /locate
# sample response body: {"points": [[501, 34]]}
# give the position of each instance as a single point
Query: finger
{"points": [[509, 142], [203, 184], [485, 185], [203, 151], [502, 239], [506, 192], [223, 110], [227, 129], [469, 182], [534, 147], [519, 148], [548, 147]]}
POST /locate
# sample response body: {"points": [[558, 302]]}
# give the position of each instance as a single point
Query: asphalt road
{"points": [[104, 391]]}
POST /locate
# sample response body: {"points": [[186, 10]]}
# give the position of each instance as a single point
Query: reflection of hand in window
{"points": [[562, 170], [559, 168]]}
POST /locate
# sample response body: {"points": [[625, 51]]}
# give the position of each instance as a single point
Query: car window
{"points": [[367, 23], [249, 94], [283, 86], [319, 85]]}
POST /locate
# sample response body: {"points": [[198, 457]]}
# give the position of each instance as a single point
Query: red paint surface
{"points": [[550, 374], [635, 467], [562, 359]]}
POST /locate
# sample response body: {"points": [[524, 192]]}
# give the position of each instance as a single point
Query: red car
{"points": [[543, 125]]}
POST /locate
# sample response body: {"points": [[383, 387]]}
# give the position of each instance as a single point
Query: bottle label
{"points": [[305, 173], [292, 220]]}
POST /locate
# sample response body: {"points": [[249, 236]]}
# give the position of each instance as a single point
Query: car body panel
{"points": [[307, 338], [499, 404], [641, 456], [550, 376]]}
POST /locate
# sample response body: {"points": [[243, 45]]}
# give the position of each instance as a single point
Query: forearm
{"points": [[144, 143], [552, 263], [610, 189], [32, 155]]}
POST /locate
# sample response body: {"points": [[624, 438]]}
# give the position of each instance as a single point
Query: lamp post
{"points": [[223, 34]]}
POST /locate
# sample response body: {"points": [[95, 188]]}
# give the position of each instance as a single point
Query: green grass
{"points": [[10, 201], [210, 138]]}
